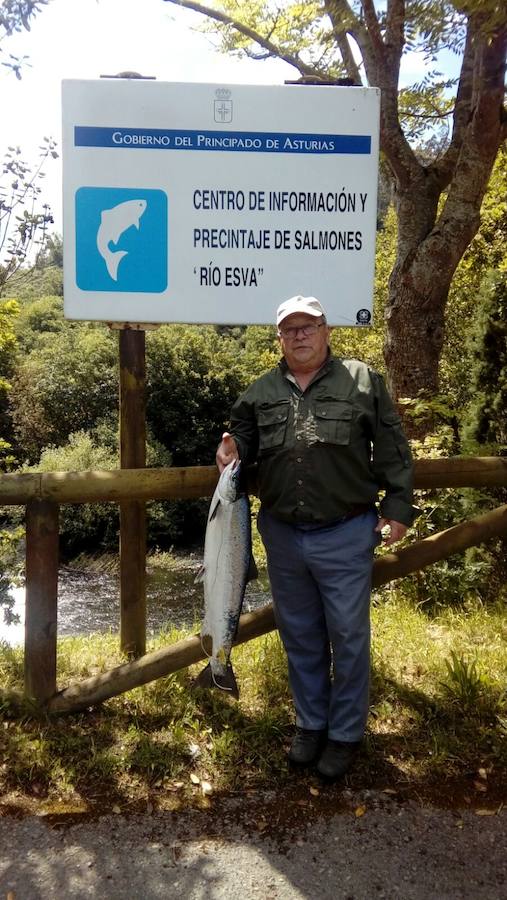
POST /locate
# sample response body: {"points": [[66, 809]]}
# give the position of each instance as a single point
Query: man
{"points": [[326, 438]]}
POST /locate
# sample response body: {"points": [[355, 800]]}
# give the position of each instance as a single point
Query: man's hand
{"points": [[397, 530], [227, 451]]}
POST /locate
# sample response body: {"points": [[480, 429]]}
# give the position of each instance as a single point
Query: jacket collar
{"points": [[326, 365]]}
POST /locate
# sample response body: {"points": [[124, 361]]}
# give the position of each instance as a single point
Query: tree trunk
{"points": [[417, 293], [414, 340], [432, 240]]}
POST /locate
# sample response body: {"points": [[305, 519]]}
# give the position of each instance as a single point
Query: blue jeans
{"points": [[321, 584]]}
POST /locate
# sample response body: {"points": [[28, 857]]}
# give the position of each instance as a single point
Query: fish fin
{"points": [[226, 682], [252, 573], [213, 512], [200, 574], [204, 678]]}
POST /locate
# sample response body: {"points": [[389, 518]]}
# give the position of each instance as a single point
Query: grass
{"points": [[438, 713]]}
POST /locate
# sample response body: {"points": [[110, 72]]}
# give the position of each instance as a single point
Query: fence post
{"points": [[132, 512], [41, 598]]}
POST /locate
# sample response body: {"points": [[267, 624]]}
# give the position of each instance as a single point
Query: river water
{"points": [[88, 602]]}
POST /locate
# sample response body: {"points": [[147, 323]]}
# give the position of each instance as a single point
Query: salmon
{"points": [[228, 567]]}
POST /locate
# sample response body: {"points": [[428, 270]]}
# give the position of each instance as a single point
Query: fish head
{"points": [[130, 212], [140, 208], [121, 217], [228, 487]]}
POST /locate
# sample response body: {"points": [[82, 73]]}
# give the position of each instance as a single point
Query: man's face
{"points": [[303, 352]]}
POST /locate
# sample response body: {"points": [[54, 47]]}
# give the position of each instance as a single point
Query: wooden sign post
{"points": [[41, 598], [132, 346]]}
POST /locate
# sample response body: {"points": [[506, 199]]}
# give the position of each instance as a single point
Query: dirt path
{"points": [[374, 846]]}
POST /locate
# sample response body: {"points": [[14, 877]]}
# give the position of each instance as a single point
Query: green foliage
{"points": [[9, 568], [193, 377], [428, 101], [463, 683], [66, 384], [92, 526], [260, 351], [29, 284], [479, 572], [23, 219], [194, 374], [488, 251], [297, 29], [9, 310], [52, 254], [36, 319], [487, 414]]}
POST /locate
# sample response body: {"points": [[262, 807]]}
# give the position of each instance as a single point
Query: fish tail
{"points": [[113, 262], [226, 681]]}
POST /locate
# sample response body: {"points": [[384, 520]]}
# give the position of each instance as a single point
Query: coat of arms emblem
{"points": [[223, 106]]}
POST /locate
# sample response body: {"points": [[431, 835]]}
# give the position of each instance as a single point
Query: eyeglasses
{"points": [[291, 331]]}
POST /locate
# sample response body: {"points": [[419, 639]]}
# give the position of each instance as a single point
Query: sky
{"points": [[90, 38]]}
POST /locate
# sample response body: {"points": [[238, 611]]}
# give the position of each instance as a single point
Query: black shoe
{"points": [[306, 746], [337, 758]]}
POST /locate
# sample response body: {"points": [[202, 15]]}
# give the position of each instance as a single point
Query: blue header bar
{"points": [[228, 141]]}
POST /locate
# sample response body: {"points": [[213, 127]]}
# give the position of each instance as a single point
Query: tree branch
{"points": [[372, 24], [344, 19], [272, 49], [395, 31], [483, 132], [382, 69], [462, 110], [460, 216], [340, 29], [349, 62]]}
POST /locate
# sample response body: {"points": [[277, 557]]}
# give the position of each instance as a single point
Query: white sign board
{"points": [[204, 203]]}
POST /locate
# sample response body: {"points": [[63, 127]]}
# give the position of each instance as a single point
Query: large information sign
{"points": [[207, 203]]}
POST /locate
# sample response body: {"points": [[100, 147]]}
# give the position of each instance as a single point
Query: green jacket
{"points": [[324, 451]]}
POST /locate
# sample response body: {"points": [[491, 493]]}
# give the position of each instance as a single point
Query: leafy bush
{"points": [[36, 319], [9, 569], [486, 253], [66, 384], [9, 310], [486, 421], [476, 572], [193, 376], [94, 527]]}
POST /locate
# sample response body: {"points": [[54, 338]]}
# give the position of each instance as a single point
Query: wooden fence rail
{"points": [[199, 481], [43, 493]]}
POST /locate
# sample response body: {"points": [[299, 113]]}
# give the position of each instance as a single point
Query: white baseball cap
{"points": [[310, 306]]}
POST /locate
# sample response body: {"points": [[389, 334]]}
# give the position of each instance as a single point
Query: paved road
{"points": [[373, 847]]}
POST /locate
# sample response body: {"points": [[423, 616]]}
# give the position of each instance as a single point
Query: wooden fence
{"points": [[42, 494]]}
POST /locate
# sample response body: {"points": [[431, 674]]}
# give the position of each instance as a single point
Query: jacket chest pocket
{"points": [[272, 423], [333, 420]]}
